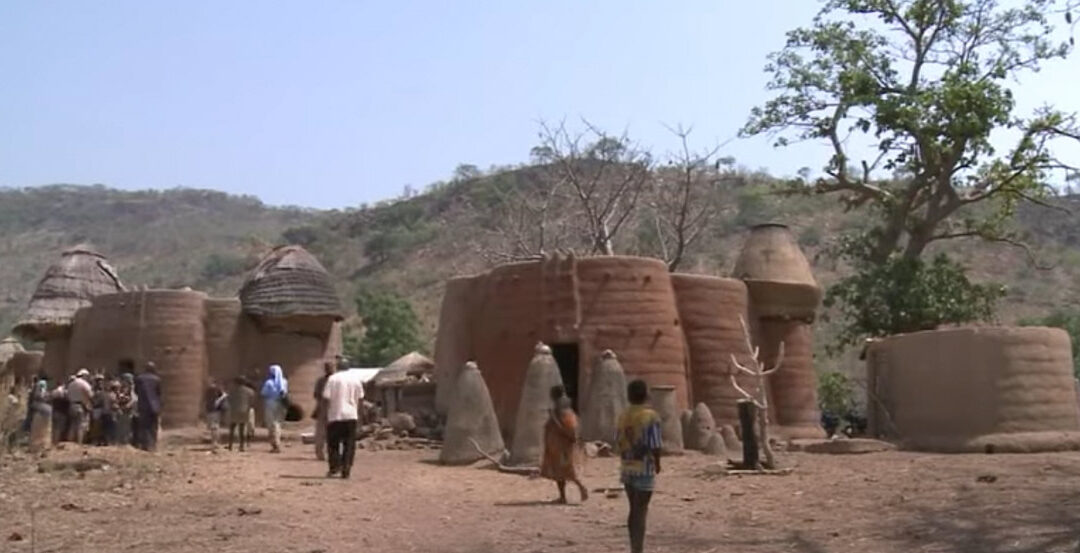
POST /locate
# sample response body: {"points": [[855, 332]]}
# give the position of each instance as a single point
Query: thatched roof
{"points": [[8, 348], [68, 285], [290, 282], [406, 366]]}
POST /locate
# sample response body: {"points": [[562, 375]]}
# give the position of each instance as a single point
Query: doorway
{"points": [[567, 357]]}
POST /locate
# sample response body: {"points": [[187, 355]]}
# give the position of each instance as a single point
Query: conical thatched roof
{"points": [[290, 282], [68, 285], [8, 348]]}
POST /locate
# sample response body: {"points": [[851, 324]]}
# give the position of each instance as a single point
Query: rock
{"points": [[591, 450], [15, 536], [402, 422], [731, 440], [841, 446]]}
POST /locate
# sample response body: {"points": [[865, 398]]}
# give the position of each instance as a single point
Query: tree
{"points": [[926, 83], [391, 329], [683, 199], [607, 175], [908, 295]]}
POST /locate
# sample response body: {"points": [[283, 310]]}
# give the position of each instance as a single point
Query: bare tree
{"points": [[606, 174], [530, 222], [760, 398], [683, 200]]}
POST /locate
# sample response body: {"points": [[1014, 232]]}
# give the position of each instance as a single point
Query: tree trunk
{"points": [[747, 417]]}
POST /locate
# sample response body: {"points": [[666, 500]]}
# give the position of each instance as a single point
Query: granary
{"points": [[980, 389], [671, 330], [288, 319], [68, 285]]}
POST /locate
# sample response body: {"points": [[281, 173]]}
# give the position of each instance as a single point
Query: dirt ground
{"points": [[185, 498]]}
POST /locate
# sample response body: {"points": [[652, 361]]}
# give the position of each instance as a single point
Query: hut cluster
{"points": [[287, 313], [678, 332]]}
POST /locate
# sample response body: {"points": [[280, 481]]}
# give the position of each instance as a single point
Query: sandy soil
{"points": [[187, 499]]}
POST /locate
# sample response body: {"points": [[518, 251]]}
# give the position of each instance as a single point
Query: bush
{"points": [[391, 329], [222, 266], [835, 394]]}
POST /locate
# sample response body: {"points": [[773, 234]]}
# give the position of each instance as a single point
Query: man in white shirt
{"points": [[80, 395], [343, 392]]}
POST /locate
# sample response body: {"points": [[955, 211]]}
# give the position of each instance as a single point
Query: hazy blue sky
{"points": [[330, 104]]}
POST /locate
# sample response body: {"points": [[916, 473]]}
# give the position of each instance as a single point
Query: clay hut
{"points": [[533, 409], [405, 385], [605, 401], [470, 422], [997, 389], [67, 286], [290, 290], [710, 309], [162, 326], [784, 298], [579, 307], [292, 301]]}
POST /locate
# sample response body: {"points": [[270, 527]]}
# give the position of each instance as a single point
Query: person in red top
{"points": [[562, 451]]}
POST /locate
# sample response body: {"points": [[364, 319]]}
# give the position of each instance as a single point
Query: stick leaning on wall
{"points": [[761, 401]]}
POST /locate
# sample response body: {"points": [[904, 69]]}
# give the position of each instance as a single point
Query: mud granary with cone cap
{"points": [[89, 320], [669, 329]]}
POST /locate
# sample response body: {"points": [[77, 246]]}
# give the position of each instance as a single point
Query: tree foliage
{"points": [[391, 329], [835, 393], [924, 84], [908, 295], [1067, 320]]}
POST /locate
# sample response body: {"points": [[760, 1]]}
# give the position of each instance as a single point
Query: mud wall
{"points": [[300, 355], [55, 360], [227, 332], [976, 389], [24, 365], [792, 389], [163, 326], [709, 308], [453, 342]]}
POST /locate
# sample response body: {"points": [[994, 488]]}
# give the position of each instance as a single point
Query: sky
{"points": [[333, 104]]}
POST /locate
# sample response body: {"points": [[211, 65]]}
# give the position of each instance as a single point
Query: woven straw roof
{"points": [[8, 348], [410, 364], [81, 274], [290, 282]]}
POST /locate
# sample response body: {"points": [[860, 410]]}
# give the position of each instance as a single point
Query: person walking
{"points": [[41, 416], [239, 400], [215, 407], [638, 442], [148, 407], [562, 450], [320, 412], [80, 402], [275, 391], [344, 392]]}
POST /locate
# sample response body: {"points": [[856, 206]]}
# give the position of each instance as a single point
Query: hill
{"points": [[208, 240]]}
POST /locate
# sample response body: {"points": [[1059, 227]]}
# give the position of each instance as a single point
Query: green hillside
{"points": [[207, 240]]}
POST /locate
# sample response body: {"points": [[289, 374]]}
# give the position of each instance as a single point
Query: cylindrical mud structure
{"points": [[55, 360], [507, 327], [453, 342], [710, 309], [627, 305], [792, 389], [777, 274], [301, 356], [997, 389], [162, 326], [663, 400], [227, 329]]}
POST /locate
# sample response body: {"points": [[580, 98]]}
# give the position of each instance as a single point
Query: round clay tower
{"points": [[292, 300], [67, 286], [784, 297]]}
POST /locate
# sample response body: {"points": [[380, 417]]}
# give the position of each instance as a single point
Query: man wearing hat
{"points": [[80, 397]]}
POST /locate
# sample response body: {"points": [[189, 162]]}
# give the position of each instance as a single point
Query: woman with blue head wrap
{"points": [[274, 391]]}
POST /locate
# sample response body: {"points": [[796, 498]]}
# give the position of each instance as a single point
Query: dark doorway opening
{"points": [[567, 357]]}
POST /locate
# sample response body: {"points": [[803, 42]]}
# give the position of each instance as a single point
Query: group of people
{"points": [[638, 442], [234, 407], [96, 409]]}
